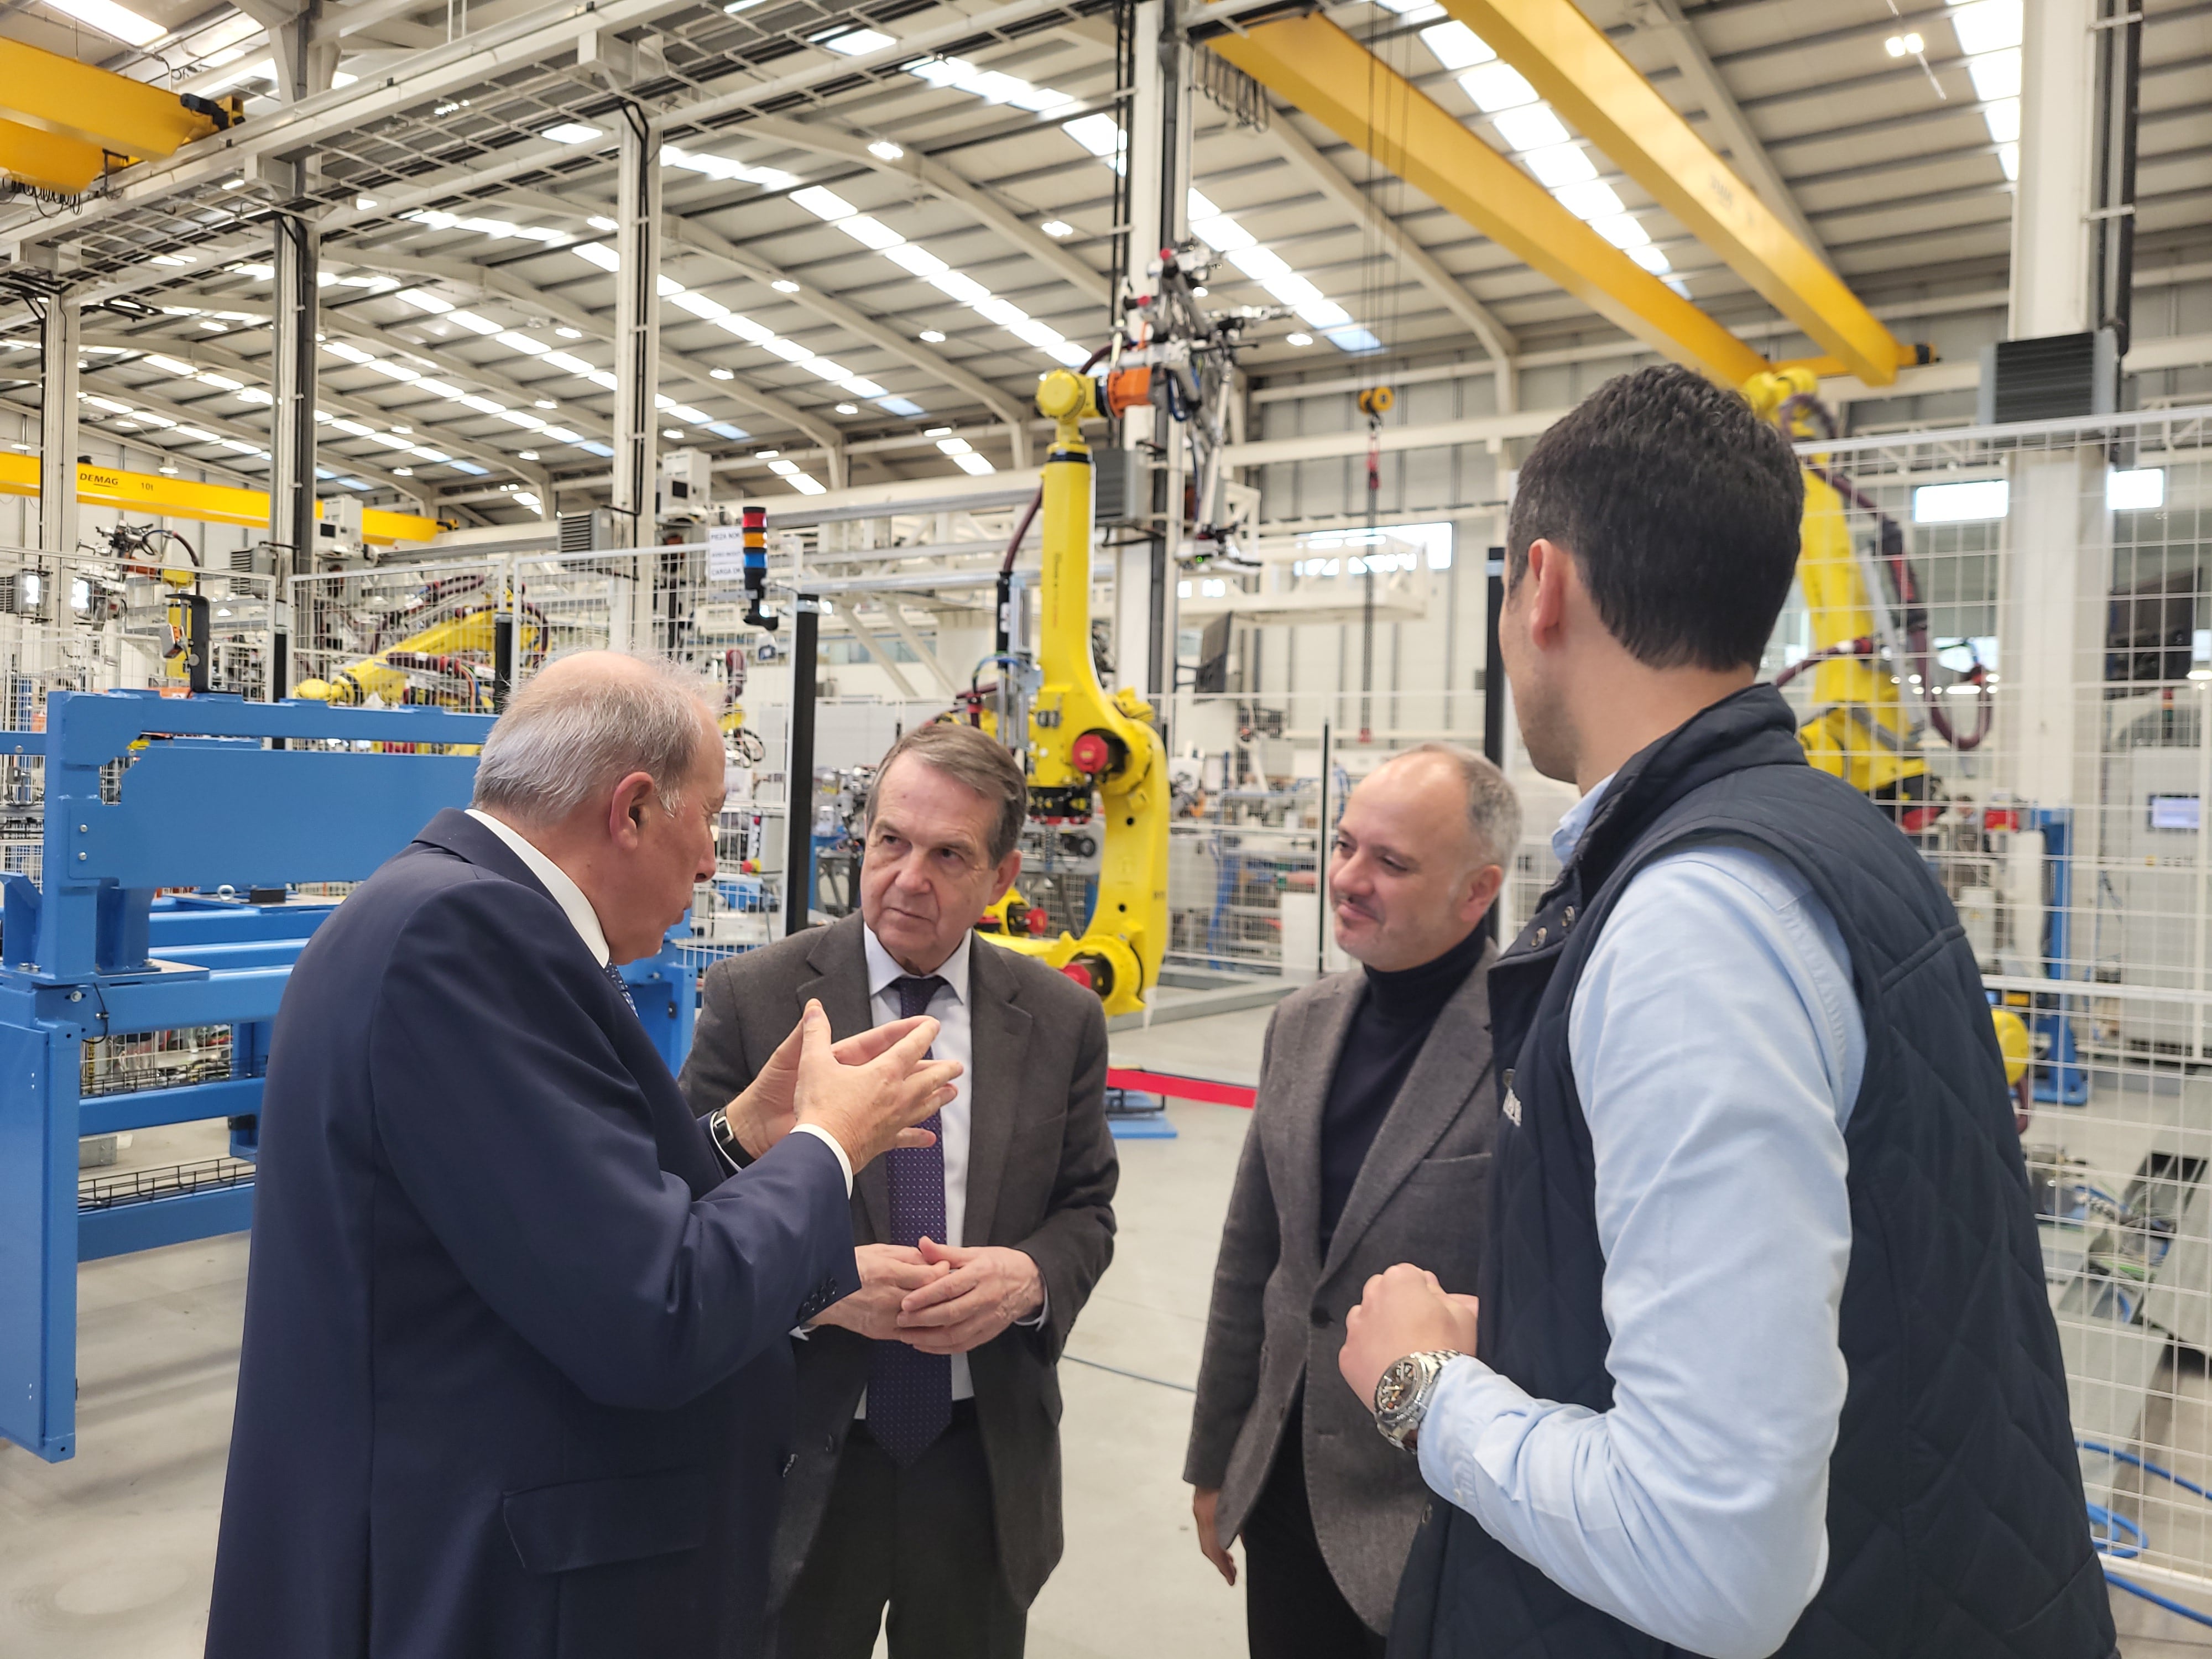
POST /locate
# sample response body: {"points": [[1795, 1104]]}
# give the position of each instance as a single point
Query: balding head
{"points": [[584, 722], [1418, 854]]}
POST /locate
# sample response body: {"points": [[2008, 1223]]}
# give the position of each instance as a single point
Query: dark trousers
{"points": [[920, 1539], [1292, 1608]]}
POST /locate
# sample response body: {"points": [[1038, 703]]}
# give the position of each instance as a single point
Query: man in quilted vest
{"points": [[1763, 1360]]}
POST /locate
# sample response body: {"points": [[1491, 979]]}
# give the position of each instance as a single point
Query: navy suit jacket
{"points": [[516, 1380]]}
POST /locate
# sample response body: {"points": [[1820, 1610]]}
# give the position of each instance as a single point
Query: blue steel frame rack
{"points": [[205, 802]]}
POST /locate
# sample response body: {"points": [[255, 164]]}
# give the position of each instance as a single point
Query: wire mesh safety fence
{"points": [[2003, 637]]}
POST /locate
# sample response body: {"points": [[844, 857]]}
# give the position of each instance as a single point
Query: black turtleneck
{"points": [[1395, 1014]]}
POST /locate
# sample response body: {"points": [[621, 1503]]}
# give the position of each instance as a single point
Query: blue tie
{"points": [[614, 979], [909, 1392]]}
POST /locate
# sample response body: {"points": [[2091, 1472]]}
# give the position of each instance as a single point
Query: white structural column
{"points": [[1158, 160], [637, 323], [2051, 209], [296, 255], [2058, 530], [57, 372]]}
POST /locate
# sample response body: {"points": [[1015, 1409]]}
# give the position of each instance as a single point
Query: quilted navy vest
{"points": [[1956, 1528]]}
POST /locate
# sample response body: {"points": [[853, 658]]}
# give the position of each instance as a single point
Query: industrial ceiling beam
{"points": [[489, 282], [1496, 340], [223, 426], [214, 356], [1315, 66], [1578, 69], [1665, 19], [940, 180], [688, 234]]}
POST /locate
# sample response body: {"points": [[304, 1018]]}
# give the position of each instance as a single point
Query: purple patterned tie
{"points": [[909, 1392]]}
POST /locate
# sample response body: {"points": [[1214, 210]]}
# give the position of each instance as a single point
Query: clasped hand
{"points": [[939, 1298]]}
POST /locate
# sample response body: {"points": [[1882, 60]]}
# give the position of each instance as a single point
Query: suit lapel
{"points": [[1293, 1129], [1454, 1060], [840, 962], [999, 1036]]}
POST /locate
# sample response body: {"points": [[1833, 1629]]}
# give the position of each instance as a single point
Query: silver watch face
{"points": [[1400, 1386]]}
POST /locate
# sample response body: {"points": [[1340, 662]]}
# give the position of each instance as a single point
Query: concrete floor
{"points": [[108, 1555]]}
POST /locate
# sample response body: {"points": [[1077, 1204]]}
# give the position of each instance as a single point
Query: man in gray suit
{"points": [[926, 1475], [1370, 1145]]}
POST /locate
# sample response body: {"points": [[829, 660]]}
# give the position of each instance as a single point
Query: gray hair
{"points": [[567, 737], [1493, 811], [969, 755]]}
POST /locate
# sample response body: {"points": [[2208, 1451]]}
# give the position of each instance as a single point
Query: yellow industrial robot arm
{"points": [[1084, 744]]}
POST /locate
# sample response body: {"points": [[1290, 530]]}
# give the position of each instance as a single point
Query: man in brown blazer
{"points": [[926, 1474], [1370, 1145]]}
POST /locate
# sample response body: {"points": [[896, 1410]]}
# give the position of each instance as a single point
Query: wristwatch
{"points": [[1402, 1394], [726, 1140]]}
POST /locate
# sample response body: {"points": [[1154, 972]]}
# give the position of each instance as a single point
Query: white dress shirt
{"points": [[948, 1007], [1717, 1047], [585, 920]]}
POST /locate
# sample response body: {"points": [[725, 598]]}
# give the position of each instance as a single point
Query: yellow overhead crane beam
{"points": [[203, 504], [60, 120], [1583, 75], [1316, 67]]}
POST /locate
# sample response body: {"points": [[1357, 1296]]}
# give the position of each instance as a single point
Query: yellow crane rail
{"points": [[1314, 65], [203, 504], [60, 120], [1584, 76]]}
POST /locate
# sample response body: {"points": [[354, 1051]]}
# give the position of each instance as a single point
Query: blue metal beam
{"points": [[144, 1108], [154, 1222]]}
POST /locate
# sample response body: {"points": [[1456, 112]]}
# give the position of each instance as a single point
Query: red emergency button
{"points": [[1080, 973]]}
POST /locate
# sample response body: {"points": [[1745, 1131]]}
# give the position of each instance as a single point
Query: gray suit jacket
{"points": [[1279, 1309], [1040, 1177]]}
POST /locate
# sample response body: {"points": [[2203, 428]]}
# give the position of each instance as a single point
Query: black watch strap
{"points": [[726, 1143]]}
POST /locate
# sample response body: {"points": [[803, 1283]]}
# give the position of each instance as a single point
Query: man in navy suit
{"points": [[515, 1378]]}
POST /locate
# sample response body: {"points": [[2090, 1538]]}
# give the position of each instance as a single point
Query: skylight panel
{"points": [[853, 42], [919, 260], [1560, 164], [516, 342], [1457, 45], [870, 232], [824, 204], [571, 132], [475, 324], [1533, 128], [122, 22], [598, 253], [1592, 199], [424, 302]]}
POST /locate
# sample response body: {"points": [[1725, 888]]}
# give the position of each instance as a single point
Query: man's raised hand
{"points": [[768, 1109], [875, 1106]]}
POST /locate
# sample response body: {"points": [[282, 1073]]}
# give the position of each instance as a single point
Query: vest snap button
{"points": [[1539, 936], [1567, 921]]}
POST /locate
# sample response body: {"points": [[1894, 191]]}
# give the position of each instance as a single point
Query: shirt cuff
{"points": [[1037, 1320], [830, 1140], [1469, 1397]]}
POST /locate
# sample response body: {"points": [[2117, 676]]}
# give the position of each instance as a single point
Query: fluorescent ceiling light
{"points": [[884, 151], [1962, 503], [784, 285], [960, 285], [1623, 230], [471, 321], [598, 253], [1651, 259], [600, 222], [934, 336], [973, 465], [424, 302], [695, 417], [1457, 45], [109, 18], [515, 342], [1099, 134], [848, 408], [1260, 263], [571, 132], [1057, 228], [919, 260], [2138, 490], [1222, 234]]}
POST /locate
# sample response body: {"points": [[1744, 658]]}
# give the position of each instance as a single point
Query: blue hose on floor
{"points": [[2122, 1539]]}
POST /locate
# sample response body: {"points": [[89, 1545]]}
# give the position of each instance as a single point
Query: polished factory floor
{"points": [[107, 1557]]}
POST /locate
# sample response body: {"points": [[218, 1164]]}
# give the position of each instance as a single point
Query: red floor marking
{"points": [[1179, 1088]]}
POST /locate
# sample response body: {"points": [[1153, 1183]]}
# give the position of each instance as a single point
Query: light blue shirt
{"points": [[1717, 1047]]}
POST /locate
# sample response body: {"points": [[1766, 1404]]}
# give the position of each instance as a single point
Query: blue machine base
{"points": [[1132, 1116]]}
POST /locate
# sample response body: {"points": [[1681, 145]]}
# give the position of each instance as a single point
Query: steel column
{"points": [[637, 323], [799, 770], [57, 411], [297, 257]]}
